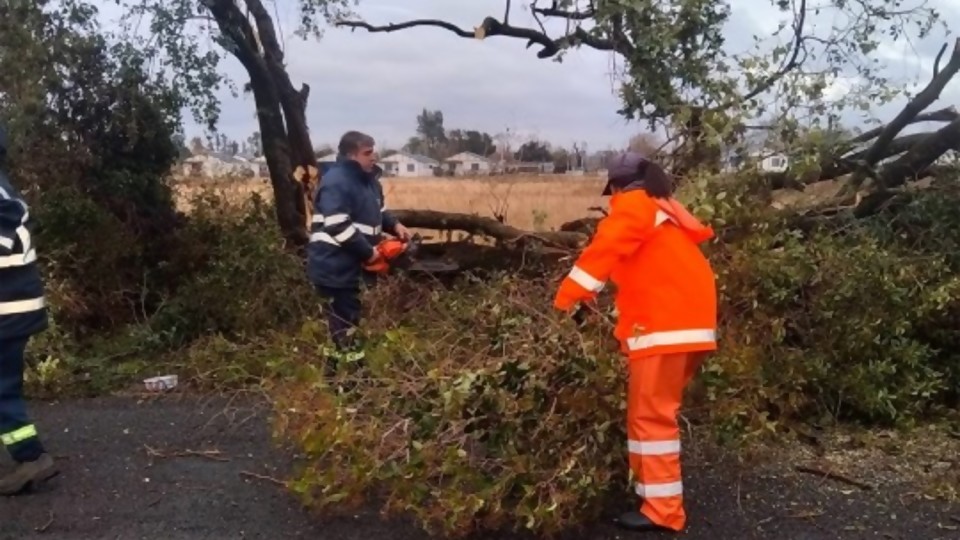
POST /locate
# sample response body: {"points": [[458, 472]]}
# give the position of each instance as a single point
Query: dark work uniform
{"points": [[349, 220], [22, 314]]}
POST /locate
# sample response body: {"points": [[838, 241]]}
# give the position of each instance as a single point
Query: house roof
{"points": [[226, 158], [415, 157], [466, 156], [328, 157]]}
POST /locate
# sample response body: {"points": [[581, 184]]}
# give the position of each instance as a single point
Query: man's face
{"points": [[366, 157]]}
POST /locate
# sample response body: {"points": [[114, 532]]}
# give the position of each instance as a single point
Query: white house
{"points": [[407, 164], [260, 165], [773, 163], [217, 164], [468, 163], [766, 161]]}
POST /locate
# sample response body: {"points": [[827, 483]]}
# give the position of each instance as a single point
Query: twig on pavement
{"points": [[248, 474], [43, 528], [215, 455], [834, 476]]}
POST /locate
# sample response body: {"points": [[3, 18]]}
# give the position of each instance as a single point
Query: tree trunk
{"points": [[294, 105], [277, 149]]}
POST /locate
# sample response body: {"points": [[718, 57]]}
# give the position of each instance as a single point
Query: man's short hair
{"points": [[352, 141]]}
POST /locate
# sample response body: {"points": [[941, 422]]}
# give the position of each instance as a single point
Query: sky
{"points": [[378, 83]]}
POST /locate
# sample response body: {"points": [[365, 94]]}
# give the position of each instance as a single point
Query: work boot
{"points": [[28, 475], [635, 521]]}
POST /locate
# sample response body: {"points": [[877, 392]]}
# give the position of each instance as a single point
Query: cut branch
{"points": [[491, 27]]}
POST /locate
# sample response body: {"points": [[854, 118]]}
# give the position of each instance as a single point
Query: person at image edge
{"points": [[23, 313]]}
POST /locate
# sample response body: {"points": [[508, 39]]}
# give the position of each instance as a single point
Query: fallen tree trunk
{"points": [[484, 226]]}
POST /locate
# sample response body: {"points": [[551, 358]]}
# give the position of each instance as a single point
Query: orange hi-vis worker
{"points": [[667, 311]]}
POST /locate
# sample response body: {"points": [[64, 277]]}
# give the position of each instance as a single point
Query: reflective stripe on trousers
{"points": [[674, 337], [18, 435], [655, 391]]}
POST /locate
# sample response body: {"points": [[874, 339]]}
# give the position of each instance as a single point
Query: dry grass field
{"points": [[527, 202]]}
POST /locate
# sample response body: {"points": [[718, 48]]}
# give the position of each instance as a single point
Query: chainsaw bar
{"points": [[433, 266]]}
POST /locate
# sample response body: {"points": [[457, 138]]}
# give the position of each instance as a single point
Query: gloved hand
{"points": [[579, 315], [385, 252]]}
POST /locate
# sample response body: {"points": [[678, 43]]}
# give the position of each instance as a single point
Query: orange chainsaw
{"points": [[393, 252]]}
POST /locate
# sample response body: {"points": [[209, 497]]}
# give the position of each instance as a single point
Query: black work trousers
{"points": [[18, 434], [343, 314]]}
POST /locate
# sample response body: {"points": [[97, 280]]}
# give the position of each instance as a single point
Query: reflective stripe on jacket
{"points": [[666, 292], [23, 309], [349, 220]]}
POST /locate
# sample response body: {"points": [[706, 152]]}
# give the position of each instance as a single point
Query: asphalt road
{"points": [[121, 479]]}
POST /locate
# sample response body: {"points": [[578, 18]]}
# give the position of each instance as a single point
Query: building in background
{"points": [[405, 164], [218, 165], [467, 164]]}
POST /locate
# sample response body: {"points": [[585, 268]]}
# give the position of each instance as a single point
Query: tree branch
{"points": [[923, 100], [921, 156], [559, 13], [832, 166], [491, 27], [786, 68], [947, 114]]}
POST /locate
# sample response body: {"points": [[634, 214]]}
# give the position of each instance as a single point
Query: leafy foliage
{"points": [[177, 34], [91, 142], [677, 60], [478, 407]]}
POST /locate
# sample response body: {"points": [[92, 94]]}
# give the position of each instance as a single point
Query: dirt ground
{"points": [[121, 479]]}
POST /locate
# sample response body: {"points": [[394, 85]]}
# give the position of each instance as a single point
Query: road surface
{"points": [[122, 479]]}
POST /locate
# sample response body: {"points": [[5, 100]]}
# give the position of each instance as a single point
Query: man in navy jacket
{"points": [[23, 313], [349, 219]]}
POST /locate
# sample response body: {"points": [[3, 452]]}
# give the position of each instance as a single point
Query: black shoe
{"points": [[28, 475], [635, 521]]}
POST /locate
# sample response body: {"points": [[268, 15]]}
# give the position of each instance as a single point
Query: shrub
{"points": [[235, 276], [474, 406]]}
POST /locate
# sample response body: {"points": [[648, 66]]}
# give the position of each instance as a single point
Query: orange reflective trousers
{"points": [[654, 394], [667, 310]]}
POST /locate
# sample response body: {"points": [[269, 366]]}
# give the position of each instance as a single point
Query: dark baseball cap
{"points": [[623, 169]]}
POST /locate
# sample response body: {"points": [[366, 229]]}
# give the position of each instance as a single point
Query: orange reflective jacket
{"points": [[666, 292]]}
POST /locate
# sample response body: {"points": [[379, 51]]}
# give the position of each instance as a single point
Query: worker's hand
{"points": [[402, 232], [579, 315], [376, 257]]}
